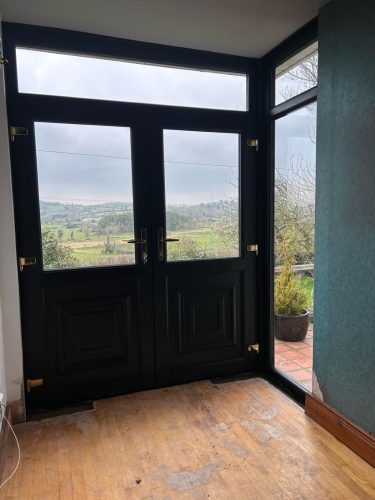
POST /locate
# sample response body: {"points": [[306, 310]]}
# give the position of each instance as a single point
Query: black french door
{"points": [[87, 325], [204, 292], [134, 223]]}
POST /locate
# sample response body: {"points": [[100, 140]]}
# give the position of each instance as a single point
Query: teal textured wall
{"points": [[344, 318]]}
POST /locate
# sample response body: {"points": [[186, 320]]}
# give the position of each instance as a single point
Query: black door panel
{"points": [[204, 318], [94, 331]]}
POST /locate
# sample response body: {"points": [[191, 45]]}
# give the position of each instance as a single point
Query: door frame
{"points": [[47, 108]]}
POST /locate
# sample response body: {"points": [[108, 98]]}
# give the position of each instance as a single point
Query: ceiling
{"points": [[243, 27]]}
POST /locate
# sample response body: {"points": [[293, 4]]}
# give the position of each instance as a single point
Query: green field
{"points": [[89, 249], [79, 235]]}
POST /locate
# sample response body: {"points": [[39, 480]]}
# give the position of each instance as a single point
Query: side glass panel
{"points": [[59, 74], [297, 75], [85, 195], [201, 172], [295, 161]]}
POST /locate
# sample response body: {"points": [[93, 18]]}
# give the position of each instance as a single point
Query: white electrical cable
{"points": [[18, 447]]}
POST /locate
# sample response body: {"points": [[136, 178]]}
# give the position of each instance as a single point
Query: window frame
{"points": [[300, 40], [46, 108], [105, 47]]}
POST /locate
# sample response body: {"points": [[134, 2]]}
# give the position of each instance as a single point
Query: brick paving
{"points": [[295, 359]]}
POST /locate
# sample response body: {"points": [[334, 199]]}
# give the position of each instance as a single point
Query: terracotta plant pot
{"points": [[291, 328]]}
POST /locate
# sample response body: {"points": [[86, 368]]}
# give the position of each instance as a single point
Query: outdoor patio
{"points": [[295, 359]]}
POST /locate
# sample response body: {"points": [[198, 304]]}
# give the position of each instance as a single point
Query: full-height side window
{"points": [[294, 213]]}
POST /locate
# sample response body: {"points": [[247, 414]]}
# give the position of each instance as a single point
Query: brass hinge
{"points": [[26, 261], [254, 247], [253, 143], [253, 347], [33, 382], [3, 61], [17, 131]]}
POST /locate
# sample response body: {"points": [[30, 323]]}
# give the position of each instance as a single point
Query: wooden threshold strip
{"points": [[355, 438]]}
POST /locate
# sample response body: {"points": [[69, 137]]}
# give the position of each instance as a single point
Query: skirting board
{"points": [[4, 439], [355, 438]]}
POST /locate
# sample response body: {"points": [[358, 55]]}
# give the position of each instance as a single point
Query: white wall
{"points": [[2, 367], [10, 326]]}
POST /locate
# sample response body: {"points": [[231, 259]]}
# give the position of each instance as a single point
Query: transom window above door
{"points": [[68, 75]]}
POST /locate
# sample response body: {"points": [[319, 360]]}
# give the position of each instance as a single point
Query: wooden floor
{"points": [[237, 440]]}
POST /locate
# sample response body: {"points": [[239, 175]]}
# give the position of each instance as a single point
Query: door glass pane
{"points": [[202, 194], [297, 75], [59, 74], [85, 195]]}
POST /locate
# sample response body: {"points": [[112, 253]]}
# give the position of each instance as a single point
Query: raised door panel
{"points": [[204, 318], [93, 332]]}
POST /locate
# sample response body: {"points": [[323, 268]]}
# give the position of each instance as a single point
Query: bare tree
{"points": [[295, 183]]}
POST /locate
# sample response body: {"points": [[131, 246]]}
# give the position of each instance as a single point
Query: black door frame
{"points": [[301, 39], [261, 98], [71, 110]]}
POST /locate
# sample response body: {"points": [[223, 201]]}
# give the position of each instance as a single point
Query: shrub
{"points": [[55, 254], [290, 299]]}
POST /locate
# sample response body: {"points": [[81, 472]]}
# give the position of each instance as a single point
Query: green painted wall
{"points": [[344, 343]]}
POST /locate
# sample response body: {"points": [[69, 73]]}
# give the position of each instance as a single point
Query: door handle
{"points": [[161, 243], [135, 242], [143, 242]]}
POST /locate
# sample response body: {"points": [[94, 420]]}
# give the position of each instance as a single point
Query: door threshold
{"points": [[234, 378], [42, 414]]}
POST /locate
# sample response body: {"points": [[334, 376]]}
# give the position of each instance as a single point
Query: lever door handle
{"points": [[143, 242], [169, 240], [136, 242]]}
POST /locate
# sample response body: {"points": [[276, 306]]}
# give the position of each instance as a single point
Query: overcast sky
{"points": [[91, 164]]}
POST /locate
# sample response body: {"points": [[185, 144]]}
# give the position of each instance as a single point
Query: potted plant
{"points": [[291, 315]]}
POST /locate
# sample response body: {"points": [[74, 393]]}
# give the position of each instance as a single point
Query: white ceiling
{"points": [[243, 27]]}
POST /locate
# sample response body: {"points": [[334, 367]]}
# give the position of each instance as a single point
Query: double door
{"points": [[134, 229]]}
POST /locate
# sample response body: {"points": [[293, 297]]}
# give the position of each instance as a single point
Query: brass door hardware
{"points": [[253, 347], [17, 131], [33, 382], [3, 61], [161, 243], [26, 261], [254, 247], [253, 143], [143, 242]]}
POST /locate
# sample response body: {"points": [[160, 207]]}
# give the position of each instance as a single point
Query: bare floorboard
{"points": [[239, 440]]}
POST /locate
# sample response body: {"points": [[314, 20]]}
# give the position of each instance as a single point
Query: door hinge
{"points": [[3, 61], [26, 261], [254, 247], [17, 131], [253, 143], [33, 382], [253, 347]]}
